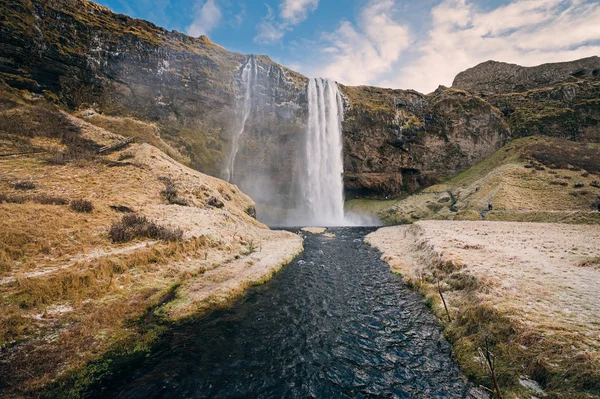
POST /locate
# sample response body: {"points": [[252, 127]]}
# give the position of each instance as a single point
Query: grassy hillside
{"points": [[101, 250], [536, 178]]}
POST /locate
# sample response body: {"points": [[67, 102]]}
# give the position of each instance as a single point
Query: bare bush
{"points": [[125, 156], [83, 206], [45, 199], [24, 185], [11, 199], [215, 202], [558, 183], [136, 226], [42, 199]]}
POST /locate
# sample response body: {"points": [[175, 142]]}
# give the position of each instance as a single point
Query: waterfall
{"points": [[323, 186], [249, 78]]}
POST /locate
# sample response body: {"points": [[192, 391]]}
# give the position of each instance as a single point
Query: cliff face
{"points": [[492, 77], [560, 100], [87, 56], [82, 55], [400, 141]]}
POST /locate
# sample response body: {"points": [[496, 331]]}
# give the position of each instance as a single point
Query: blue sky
{"points": [[392, 43]]}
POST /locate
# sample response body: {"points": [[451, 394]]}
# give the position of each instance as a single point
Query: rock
{"points": [[492, 77], [395, 141], [559, 100], [401, 141]]}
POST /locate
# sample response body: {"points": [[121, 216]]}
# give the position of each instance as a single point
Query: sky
{"points": [[405, 44]]}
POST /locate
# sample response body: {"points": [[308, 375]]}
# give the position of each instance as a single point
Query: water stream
{"points": [[249, 79], [335, 323]]}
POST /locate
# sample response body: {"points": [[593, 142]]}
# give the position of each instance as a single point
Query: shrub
{"points": [[42, 199], [11, 199], [558, 183], [83, 206], [46, 120], [49, 200], [24, 185], [121, 208], [595, 183], [135, 226]]}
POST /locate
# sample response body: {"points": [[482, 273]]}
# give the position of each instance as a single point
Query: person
{"points": [[490, 206]]}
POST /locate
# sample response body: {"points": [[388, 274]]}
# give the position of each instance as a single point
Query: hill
{"points": [[104, 242], [532, 179]]}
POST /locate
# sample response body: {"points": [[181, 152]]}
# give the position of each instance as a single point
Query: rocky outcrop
{"points": [[560, 100], [492, 77], [400, 140]]}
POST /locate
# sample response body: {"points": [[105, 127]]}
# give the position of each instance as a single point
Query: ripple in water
{"points": [[335, 323]]}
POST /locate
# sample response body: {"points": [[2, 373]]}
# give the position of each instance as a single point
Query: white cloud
{"points": [[269, 30], [208, 16], [359, 54], [378, 50], [292, 12], [296, 11], [524, 32]]}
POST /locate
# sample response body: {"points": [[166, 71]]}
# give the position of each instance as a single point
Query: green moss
{"points": [[137, 342]]}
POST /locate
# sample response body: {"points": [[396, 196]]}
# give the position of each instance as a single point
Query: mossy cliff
{"points": [[85, 56], [559, 100], [401, 140], [82, 56]]}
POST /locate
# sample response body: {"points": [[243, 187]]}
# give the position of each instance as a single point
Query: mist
{"points": [[286, 147]]}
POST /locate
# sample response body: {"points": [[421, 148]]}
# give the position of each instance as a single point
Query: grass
{"points": [[130, 127], [24, 185], [43, 199], [565, 154], [517, 349], [45, 120], [530, 179], [29, 232], [170, 193]]}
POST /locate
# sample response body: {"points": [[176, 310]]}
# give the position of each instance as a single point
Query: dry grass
{"points": [[170, 193], [517, 184], [73, 298], [32, 235], [566, 154], [45, 120], [24, 185], [528, 293], [130, 127]]}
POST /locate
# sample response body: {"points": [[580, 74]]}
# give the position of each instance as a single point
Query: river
{"points": [[335, 323]]}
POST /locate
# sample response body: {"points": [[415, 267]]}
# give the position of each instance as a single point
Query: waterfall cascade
{"points": [[323, 186], [249, 78]]}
